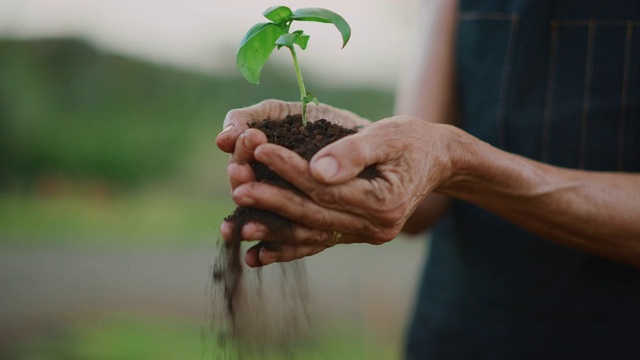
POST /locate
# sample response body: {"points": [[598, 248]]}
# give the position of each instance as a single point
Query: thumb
{"points": [[344, 159]]}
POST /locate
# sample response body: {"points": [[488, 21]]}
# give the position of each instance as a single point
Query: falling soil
{"points": [[228, 270]]}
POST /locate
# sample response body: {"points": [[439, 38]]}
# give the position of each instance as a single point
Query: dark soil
{"points": [[305, 141]]}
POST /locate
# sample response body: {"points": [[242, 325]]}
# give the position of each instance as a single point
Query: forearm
{"points": [[597, 212]]}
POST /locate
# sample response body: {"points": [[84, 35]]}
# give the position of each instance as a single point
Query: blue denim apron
{"points": [[558, 82]]}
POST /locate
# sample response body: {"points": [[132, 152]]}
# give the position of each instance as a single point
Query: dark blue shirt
{"points": [[558, 82]]}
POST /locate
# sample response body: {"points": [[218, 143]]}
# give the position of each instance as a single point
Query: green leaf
{"points": [[302, 41], [255, 48], [278, 14], [324, 16], [296, 37], [310, 98]]}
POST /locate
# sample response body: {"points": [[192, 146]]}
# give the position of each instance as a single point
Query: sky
{"points": [[204, 34]]}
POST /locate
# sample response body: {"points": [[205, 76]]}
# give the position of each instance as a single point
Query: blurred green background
{"points": [[112, 189], [95, 144], [111, 192]]}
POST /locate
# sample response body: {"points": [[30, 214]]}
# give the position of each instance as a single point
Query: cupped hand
{"points": [[238, 120], [413, 157], [241, 141]]}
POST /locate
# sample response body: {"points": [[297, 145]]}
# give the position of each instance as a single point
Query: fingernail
{"points": [[226, 129], [327, 167], [240, 199], [246, 201], [248, 143]]}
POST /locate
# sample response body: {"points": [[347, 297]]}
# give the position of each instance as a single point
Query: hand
{"points": [[414, 158], [238, 120], [241, 141]]}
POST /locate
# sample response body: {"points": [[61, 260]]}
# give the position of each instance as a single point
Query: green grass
{"points": [[137, 337], [148, 218], [117, 338]]}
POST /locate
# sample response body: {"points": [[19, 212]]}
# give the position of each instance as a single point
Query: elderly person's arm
{"points": [[596, 212]]}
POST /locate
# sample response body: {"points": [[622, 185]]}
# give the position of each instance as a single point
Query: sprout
{"points": [[261, 39]]}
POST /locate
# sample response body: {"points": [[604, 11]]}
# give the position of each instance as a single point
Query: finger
{"points": [[295, 234], [359, 196], [239, 168], [246, 144], [296, 208], [264, 254], [344, 159], [286, 163], [240, 174], [226, 230], [226, 140], [252, 256], [286, 252], [376, 227], [237, 120]]}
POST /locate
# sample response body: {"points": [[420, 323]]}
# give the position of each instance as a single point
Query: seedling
{"points": [[261, 39]]}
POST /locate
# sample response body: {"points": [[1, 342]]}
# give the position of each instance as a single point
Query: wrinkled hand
{"points": [[238, 120], [240, 141], [414, 158]]}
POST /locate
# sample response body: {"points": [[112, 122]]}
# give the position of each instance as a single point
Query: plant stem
{"points": [[303, 91]]}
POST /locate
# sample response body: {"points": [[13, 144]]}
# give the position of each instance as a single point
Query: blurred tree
{"points": [[68, 109]]}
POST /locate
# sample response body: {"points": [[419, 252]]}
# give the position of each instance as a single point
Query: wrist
{"points": [[464, 154], [481, 171]]}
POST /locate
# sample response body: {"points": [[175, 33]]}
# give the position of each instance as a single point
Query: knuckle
{"points": [[318, 237], [324, 197], [232, 115], [383, 234], [388, 235], [268, 103], [385, 212], [270, 108], [389, 217], [377, 195], [382, 229]]}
